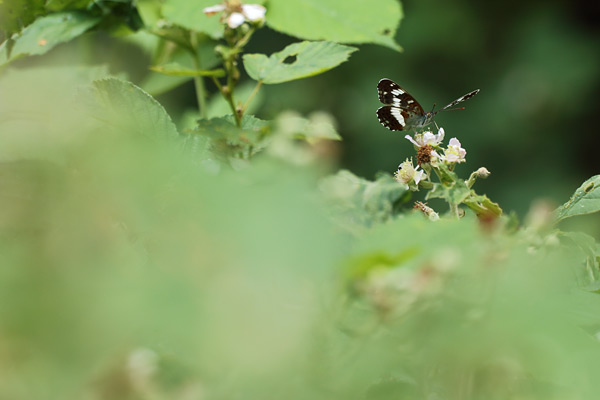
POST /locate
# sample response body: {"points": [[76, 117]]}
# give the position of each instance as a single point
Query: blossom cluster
{"points": [[430, 153], [235, 13]]}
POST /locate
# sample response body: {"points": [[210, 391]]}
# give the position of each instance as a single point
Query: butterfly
{"points": [[402, 112]]}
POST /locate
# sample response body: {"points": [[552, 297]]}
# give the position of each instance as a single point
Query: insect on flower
{"points": [[403, 112]]}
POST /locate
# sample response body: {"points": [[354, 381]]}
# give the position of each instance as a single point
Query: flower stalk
{"points": [[241, 21]]}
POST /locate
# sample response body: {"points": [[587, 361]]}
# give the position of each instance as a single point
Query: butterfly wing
{"points": [[400, 107], [461, 99], [390, 93], [393, 118]]}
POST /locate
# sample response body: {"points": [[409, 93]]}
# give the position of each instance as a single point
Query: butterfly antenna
{"points": [[452, 109]]}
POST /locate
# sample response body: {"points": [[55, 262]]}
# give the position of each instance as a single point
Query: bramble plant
{"points": [[450, 187], [209, 253]]}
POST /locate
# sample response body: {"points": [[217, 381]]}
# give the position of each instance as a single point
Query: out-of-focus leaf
{"points": [[304, 141], [37, 120], [307, 59], [589, 275], [227, 141], [45, 33], [16, 14], [456, 193], [585, 200], [174, 69], [150, 12], [59, 5], [168, 53], [317, 126], [125, 107], [189, 15], [349, 21], [358, 203]]}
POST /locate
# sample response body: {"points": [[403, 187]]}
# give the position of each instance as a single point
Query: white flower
{"points": [[408, 175], [454, 153], [253, 12], [235, 14], [235, 19], [425, 138], [436, 156], [212, 10]]}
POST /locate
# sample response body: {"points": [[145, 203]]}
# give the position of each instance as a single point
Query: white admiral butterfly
{"points": [[402, 111]]}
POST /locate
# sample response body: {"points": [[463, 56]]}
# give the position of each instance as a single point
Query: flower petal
{"points": [[440, 135], [235, 19], [452, 158], [253, 12], [212, 10], [412, 140], [418, 176], [454, 142], [428, 138]]}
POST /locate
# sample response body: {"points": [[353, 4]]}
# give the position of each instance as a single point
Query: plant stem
{"points": [[198, 80], [242, 42], [228, 93], [454, 210], [249, 100]]}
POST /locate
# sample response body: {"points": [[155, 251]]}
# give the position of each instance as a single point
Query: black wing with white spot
{"points": [[400, 105], [461, 99], [393, 118], [390, 93]]}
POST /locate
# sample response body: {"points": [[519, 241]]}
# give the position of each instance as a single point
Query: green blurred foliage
{"points": [[144, 259], [129, 270], [532, 124]]}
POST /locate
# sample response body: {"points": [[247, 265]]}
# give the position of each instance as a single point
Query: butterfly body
{"points": [[401, 111]]}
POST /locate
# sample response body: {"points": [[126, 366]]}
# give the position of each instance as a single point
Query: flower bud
{"points": [[483, 172]]}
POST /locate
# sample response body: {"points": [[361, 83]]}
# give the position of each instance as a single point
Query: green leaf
{"points": [[189, 15], [45, 33], [482, 205], [37, 116], [157, 83], [318, 125], [125, 107], [308, 59], [456, 193], [588, 272], [227, 141], [150, 12], [348, 21], [359, 203], [59, 5], [16, 14], [175, 69], [585, 200]]}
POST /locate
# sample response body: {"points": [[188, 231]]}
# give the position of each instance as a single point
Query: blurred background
{"points": [[537, 64], [129, 271]]}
